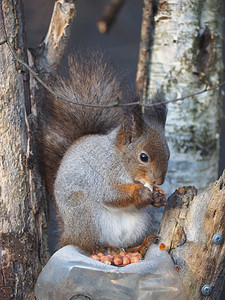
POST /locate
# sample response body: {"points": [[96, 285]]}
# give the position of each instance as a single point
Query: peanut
{"points": [[117, 260], [106, 259], [94, 256], [134, 259], [126, 260]]}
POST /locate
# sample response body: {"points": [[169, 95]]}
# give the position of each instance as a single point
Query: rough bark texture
{"points": [[49, 55], [46, 58], [23, 239], [186, 55], [188, 225], [23, 199]]}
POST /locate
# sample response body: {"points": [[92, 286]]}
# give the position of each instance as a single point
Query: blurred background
{"points": [[121, 43]]}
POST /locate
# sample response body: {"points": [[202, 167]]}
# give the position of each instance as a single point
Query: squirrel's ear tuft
{"points": [[130, 129], [157, 113]]}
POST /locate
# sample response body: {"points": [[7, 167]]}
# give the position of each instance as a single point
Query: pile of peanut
{"points": [[121, 259]]}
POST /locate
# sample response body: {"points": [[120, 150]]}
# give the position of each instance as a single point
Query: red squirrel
{"points": [[99, 163]]}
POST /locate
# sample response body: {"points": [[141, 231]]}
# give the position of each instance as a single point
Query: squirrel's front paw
{"points": [[159, 199], [145, 197]]}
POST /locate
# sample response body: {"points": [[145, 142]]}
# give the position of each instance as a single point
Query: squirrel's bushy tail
{"points": [[61, 122]]}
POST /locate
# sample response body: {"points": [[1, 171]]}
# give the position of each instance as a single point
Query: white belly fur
{"points": [[123, 227]]}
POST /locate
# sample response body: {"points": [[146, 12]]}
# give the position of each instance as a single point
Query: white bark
{"points": [[180, 67]]}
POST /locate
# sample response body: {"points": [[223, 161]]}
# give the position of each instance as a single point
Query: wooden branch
{"points": [[187, 228], [146, 32], [48, 56], [105, 22]]}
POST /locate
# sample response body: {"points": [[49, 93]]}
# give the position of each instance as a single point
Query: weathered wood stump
{"points": [[188, 228]]}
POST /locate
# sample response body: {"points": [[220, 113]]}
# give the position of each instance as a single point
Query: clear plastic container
{"points": [[69, 274]]}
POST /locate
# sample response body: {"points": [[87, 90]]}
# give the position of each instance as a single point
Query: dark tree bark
{"points": [[144, 52], [23, 209], [23, 204]]}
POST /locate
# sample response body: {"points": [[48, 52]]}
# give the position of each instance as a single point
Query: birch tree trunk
{"points": [[186, 55]]}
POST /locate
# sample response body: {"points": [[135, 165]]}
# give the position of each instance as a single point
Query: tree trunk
{"points": [[186, 55], [23, 205], [23, 237], [188, 229]]}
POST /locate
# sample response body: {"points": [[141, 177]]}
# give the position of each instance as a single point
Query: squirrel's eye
{"points": [[144, 157]]}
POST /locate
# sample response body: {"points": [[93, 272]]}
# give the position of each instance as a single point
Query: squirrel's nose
{"points": [[156, 179], [160, 180]]}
